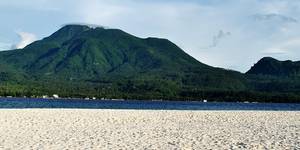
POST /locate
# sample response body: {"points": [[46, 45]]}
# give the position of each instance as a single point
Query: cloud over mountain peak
{"points": [[26, 39]]}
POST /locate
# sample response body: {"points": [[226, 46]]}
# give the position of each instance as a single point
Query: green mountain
{"points": [[80, 61], [272, 67], [280, 78]]}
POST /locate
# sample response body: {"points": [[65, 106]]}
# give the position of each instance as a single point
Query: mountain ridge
{"points": [[80, 61], [273, 67]]}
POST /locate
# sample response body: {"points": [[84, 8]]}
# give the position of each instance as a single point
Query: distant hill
{"points": [[83, 61], [271, 76], [273, 67]]}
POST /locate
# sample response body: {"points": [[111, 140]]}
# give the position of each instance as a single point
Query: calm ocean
{"points": [[138, 104]]}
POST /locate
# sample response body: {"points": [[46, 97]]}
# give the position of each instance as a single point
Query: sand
{"points": [[148, 129]]}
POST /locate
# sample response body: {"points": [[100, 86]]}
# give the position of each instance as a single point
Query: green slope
{"points": [[80, 52], [271, 75], [80, 61]]}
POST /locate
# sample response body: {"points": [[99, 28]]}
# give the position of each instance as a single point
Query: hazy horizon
{"points": [[233, 34]]}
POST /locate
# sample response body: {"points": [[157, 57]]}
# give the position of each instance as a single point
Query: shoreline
{"points": [[21, 103], [150, 100]]}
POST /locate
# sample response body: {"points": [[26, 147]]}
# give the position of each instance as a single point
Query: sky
{"points": [[232, 34]]}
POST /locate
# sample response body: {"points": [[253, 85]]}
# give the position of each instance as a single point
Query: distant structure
{"points": [[205, 101], [55, 96]]}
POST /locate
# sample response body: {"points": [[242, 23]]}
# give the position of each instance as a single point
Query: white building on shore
{"points": [[55, 96]]}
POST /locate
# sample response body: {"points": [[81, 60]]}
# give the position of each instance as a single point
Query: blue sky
{"points": [[232, 34]]}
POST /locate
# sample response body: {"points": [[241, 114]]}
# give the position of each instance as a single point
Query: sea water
{"points": [[141, 104]]}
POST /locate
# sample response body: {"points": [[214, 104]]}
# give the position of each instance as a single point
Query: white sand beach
{"points": [[148, 129]]}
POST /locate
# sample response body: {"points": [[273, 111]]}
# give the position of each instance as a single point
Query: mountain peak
{"points": [[68, 31], [268, 59], [83, 51], [81, 27], [274, 67]]}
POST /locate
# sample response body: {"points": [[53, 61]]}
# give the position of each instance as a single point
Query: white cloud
{"points": [[286, 49], [25, 39], [218, 37], [275, 51], [275, 17]]}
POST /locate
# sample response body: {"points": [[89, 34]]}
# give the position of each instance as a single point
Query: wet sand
{"points": [[148, 129]]}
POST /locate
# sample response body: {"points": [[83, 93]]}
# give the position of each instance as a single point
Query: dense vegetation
{"points": [[79, 61]]}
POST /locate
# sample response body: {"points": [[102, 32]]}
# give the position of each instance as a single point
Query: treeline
{"points": [[141, 90]]}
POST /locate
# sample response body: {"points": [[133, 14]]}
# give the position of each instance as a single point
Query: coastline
{"points": [[21, 103]]}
